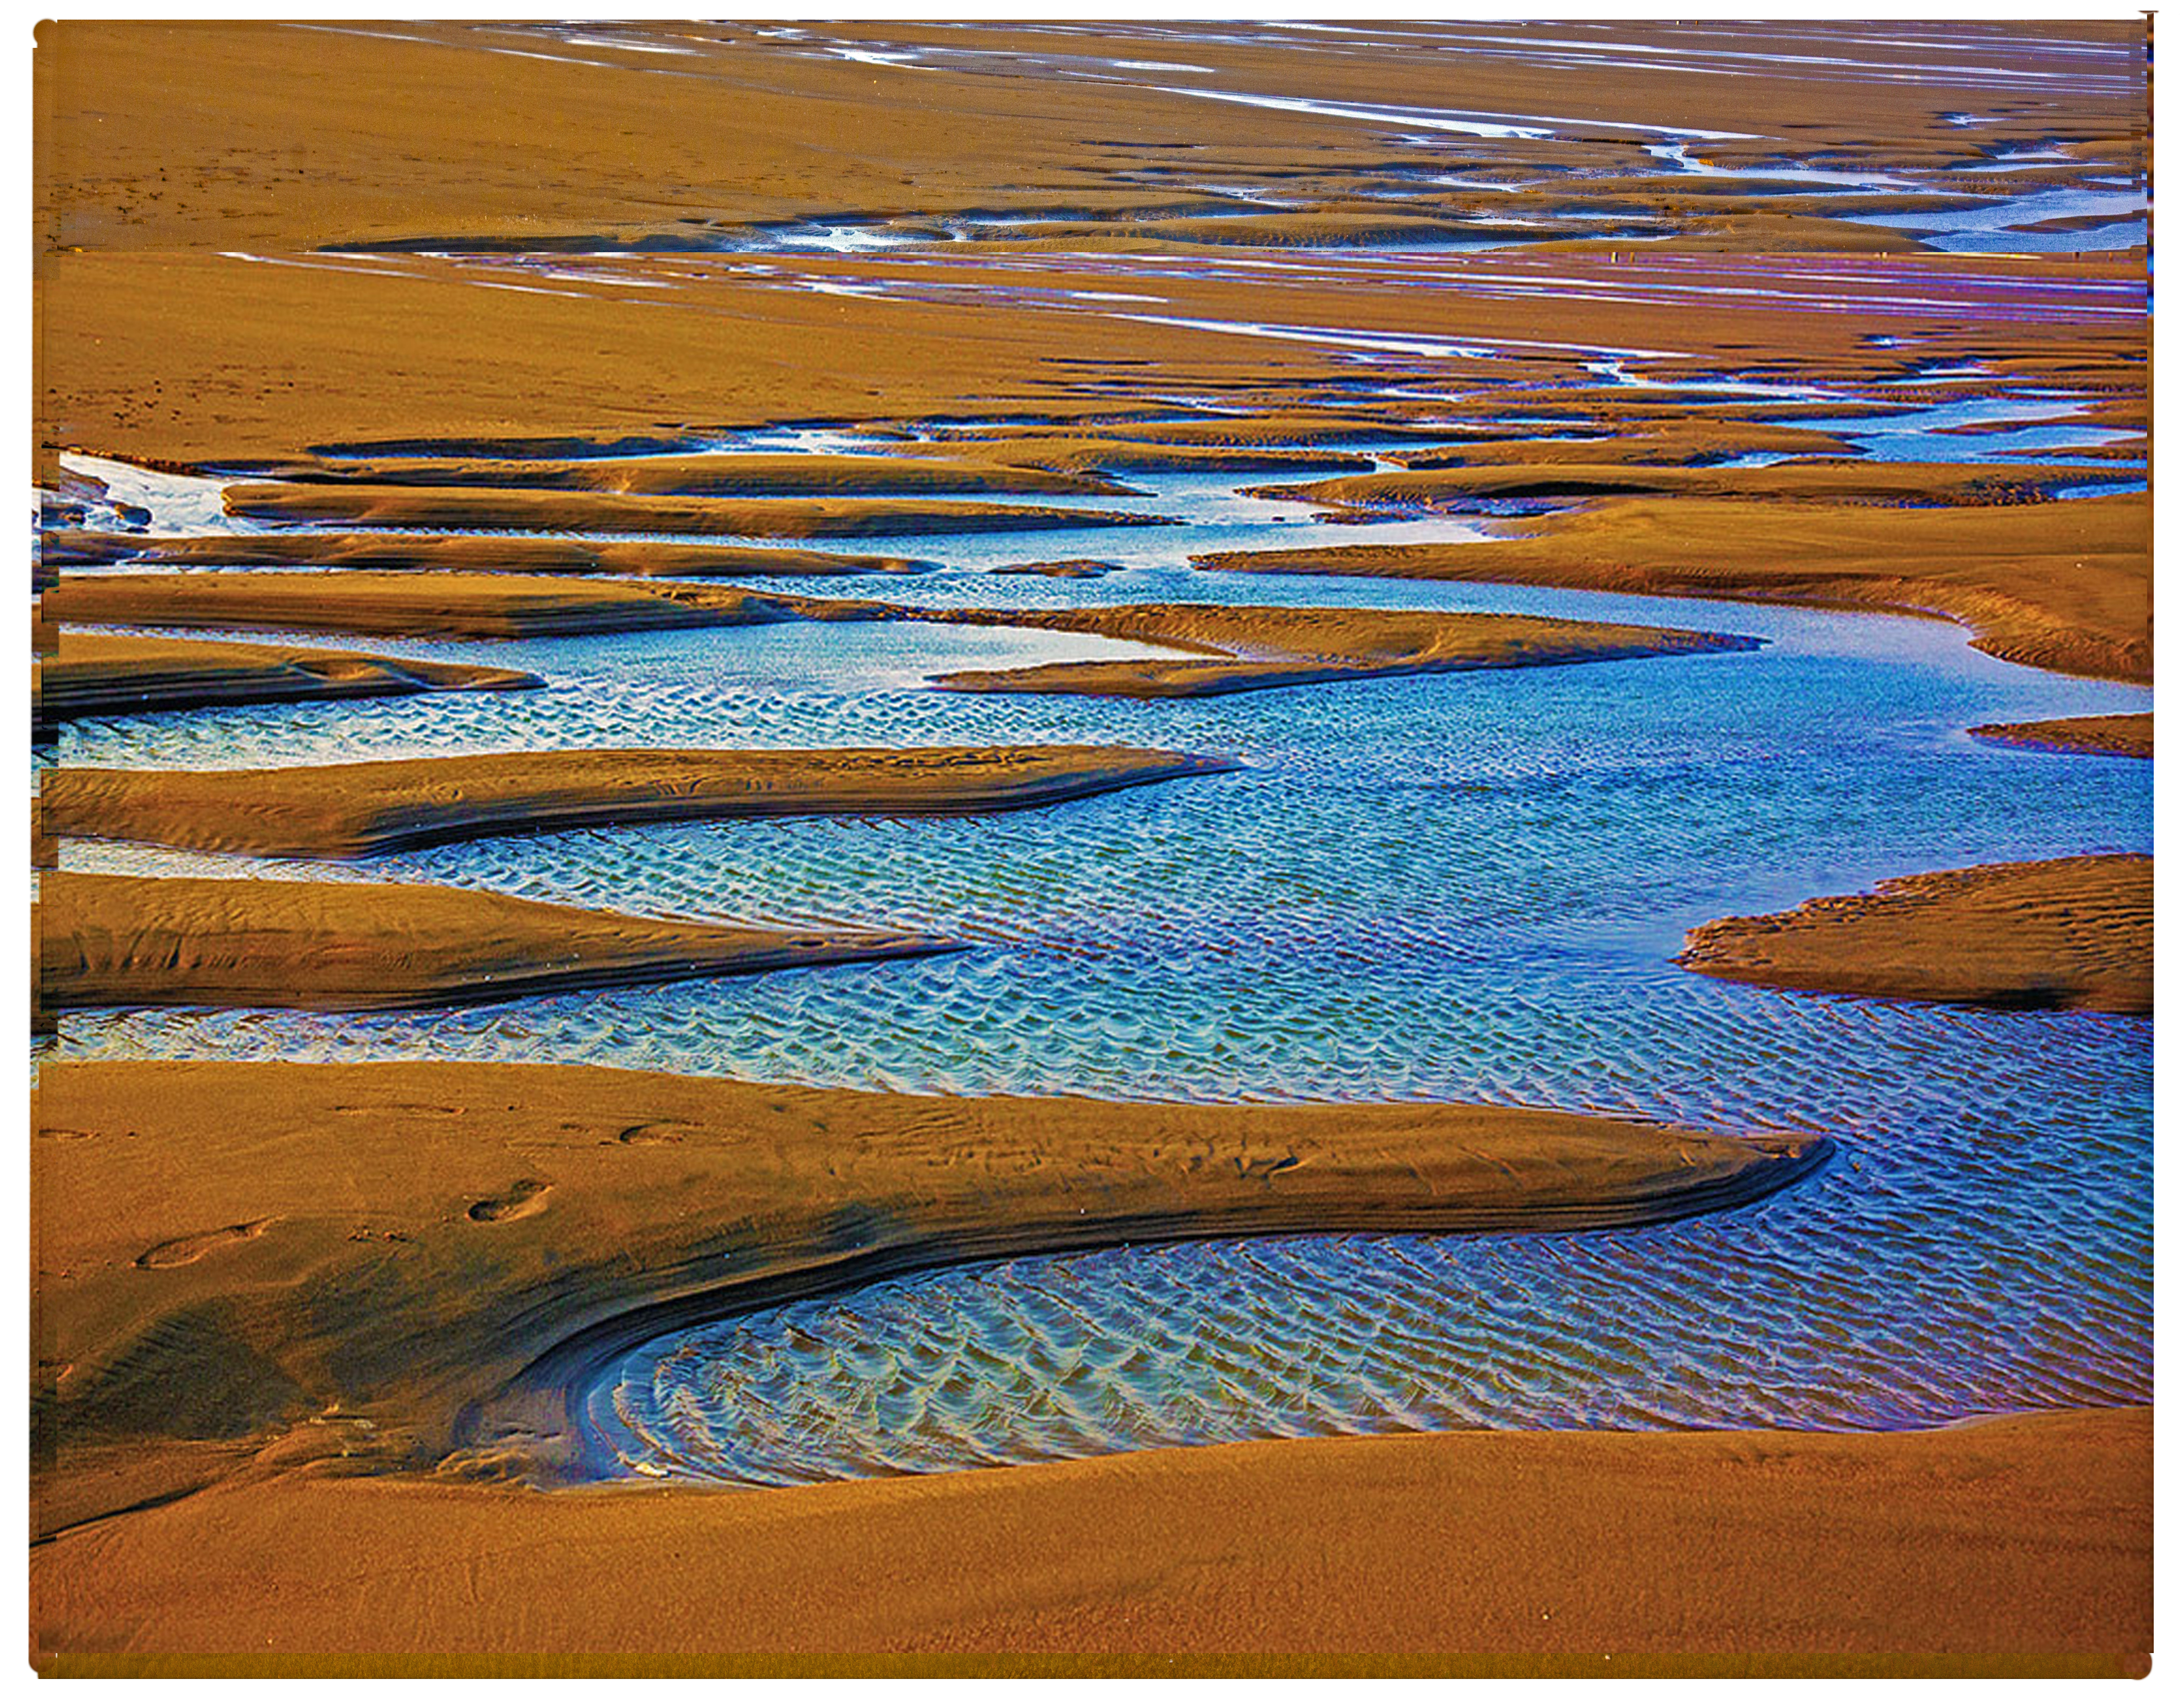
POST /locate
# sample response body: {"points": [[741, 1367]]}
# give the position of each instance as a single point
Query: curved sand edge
{"points": [[111, 941], [426, 604], [116, 675], [2044, 934], [523, 509], [2063, 587], [2018, 1546], [2123, 735], [444, 1248], [344, 812], [1236, 647], [1252, 646], [533, 554]]}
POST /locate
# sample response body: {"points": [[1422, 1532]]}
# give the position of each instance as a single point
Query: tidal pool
{"points": [[1464, 887]]}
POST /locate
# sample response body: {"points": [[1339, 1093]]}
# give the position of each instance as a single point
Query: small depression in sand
{"points": [[1466, 888]]}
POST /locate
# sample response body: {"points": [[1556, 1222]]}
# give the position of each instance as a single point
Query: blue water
{"points": [[1462, 887]]}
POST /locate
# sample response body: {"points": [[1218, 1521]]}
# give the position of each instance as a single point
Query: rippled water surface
{"points": [[1461, 888]]}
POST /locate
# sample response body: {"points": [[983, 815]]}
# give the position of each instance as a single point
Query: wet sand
{"points": [[227, 1250], [718, 475], [508, 554], [2063, 587], [2028, 1552], [738, 129], [204, 1258], [1271, 647], [106, 941], [1238, 647], [621, 513], [342, 811], [2126, 735], [2044, 934], [115, 676], [1838, 482], [421, 603]]}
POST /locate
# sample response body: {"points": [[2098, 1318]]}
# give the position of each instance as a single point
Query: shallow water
{"points": [[1464, 887]]}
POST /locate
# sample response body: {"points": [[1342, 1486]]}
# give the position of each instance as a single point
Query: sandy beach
{"points": [[517, 1220], [2025, 1556], [1583, 1314]]}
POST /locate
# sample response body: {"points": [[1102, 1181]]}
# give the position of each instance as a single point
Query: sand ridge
{"points": [[112, 676], [106, 942], [477, 553], [372, 1288], [342, 811], [520, 509], [2062, 587], [420, 603], [2123, 735], [2042, 934]]}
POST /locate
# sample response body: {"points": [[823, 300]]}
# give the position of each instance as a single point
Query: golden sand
{"points": [[341, 811], [2046, 934], [106, 941]]}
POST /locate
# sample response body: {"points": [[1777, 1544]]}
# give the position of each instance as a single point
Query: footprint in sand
{"points": [[173, 1252], [524, 1198]]}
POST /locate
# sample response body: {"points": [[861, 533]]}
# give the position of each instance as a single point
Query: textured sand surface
{"points": [[2044, 934], [110, 676], [2017, 1546], [2126, 735], [343, 810], [108, 941], [2062, 587], [401, 1241]]}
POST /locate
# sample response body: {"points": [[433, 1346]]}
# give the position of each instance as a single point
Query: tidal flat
{"points": [[1230, 805]]}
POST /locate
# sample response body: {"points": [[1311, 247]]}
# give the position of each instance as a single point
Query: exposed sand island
{"points": [[2062, 587], [2020, 1545], [343, 810], [228, 1248], [523, 554], [2044, 934], [128, 942], [114, 675], [420, 603], [2124, 735], [1249, 646], [715, 476], [1239, 647], [1844, 481], [618, 512]]}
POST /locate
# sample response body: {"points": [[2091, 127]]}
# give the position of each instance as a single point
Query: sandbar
{"points": [[2042, 934], [717, 475], [1248, 646], [2063, 587], [2121, 735], [619, 513], [113, 942], [423, 603], [118, 675], [384, 1274], [335, 811], [512, 554], [1838, 481]]}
